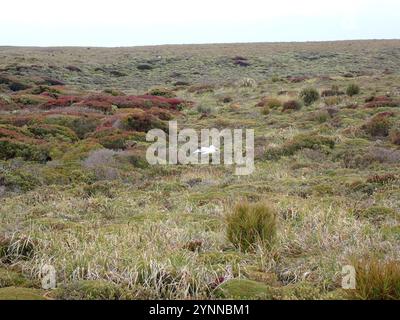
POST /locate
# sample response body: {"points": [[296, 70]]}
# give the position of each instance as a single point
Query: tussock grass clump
{"points": [[265, 111], [250, 224], [353, 89], [205, 109], [301, 141], [18, 248], [247, 82], [309, 96], [376, 280]]}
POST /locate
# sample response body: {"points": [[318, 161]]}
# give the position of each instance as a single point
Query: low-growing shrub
{"points": [[382, 155], [301, 141], [272, 103], [10, 148], [81, 125], [116, 139], [141, 120], [292, 105], [251, 224], [73, 68], [241, 63], [377, 126], [162, 92], [91, 290], [18, 180], [394, 136], [309, 96], [144, 66], [382, 178], [48, 131], [114, 92], [205, 109], [380, 102], [102, 162], [13, 83]]}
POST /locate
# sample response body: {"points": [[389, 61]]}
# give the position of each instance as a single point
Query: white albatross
{"points": [[206, 150]]}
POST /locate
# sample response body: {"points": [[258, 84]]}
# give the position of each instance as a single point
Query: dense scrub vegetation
{"points": [[76, 190]]}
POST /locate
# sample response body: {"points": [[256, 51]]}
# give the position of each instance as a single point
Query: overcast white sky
{"points": [[128, 22]]}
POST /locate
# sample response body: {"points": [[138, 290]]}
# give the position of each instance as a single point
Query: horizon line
{"points": [[200, 43]]}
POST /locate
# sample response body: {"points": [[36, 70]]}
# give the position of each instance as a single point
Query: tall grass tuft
{"points": [[376, 280], [250, 224]]}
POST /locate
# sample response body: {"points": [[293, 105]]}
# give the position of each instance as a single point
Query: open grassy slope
{"points": [[76, 191]]}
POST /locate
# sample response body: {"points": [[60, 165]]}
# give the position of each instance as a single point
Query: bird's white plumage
{"points": [[206, 150]]}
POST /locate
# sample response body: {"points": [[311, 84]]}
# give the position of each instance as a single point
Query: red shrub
{"points": [[381, 101], [18, 134], [112, 138], [160, 113], [142, 121], [61, 101]]}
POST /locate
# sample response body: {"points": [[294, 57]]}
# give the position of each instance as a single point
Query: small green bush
{"points": [[80, 125], [162, 92], [14, 149], [309, 96], [352, 90], [48, 132], [251, 224], [205, 109]]}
